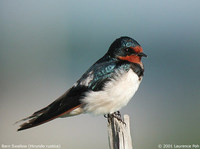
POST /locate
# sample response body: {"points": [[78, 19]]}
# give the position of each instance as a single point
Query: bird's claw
{"points": [[116, 115]]}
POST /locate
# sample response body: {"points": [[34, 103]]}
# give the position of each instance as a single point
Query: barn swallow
{"points": [[106, 87]]}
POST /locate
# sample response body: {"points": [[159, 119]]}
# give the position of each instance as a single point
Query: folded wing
{"points": [[63, 105]]}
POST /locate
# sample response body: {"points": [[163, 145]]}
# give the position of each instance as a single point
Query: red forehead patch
{"points": [[137, 49], [132, 59]]}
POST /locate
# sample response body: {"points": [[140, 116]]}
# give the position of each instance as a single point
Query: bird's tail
{"points": [[63, 106], [31, 121]]}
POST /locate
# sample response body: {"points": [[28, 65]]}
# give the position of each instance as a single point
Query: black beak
{"points": [[142, 54]]}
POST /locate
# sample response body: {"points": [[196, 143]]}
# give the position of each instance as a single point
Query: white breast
{"points": [[115, 95]]}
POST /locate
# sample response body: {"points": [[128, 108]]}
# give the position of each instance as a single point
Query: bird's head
{"points": [[126, 48]]}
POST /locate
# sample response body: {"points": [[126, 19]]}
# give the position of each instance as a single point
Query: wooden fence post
{"points": [[119, 133]]}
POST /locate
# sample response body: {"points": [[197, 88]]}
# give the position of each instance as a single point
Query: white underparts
{"points": [[115, 95]]}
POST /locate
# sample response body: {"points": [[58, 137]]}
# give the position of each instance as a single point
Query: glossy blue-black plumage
{"points": [[105, 68], [118, 47], [102, 71]]}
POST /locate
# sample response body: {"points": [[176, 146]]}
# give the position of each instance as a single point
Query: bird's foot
{"points": [[116, 115]]}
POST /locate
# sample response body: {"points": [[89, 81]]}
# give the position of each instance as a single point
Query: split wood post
{"points": [[119, 133]]}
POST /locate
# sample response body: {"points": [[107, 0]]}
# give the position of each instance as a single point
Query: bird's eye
{"points": [[128, 50]]}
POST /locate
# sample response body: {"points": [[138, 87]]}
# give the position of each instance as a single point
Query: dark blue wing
{"points": [[100, 73], [63, 105]]}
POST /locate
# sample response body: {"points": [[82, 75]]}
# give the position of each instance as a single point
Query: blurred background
{"points": [[45, 46]]}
